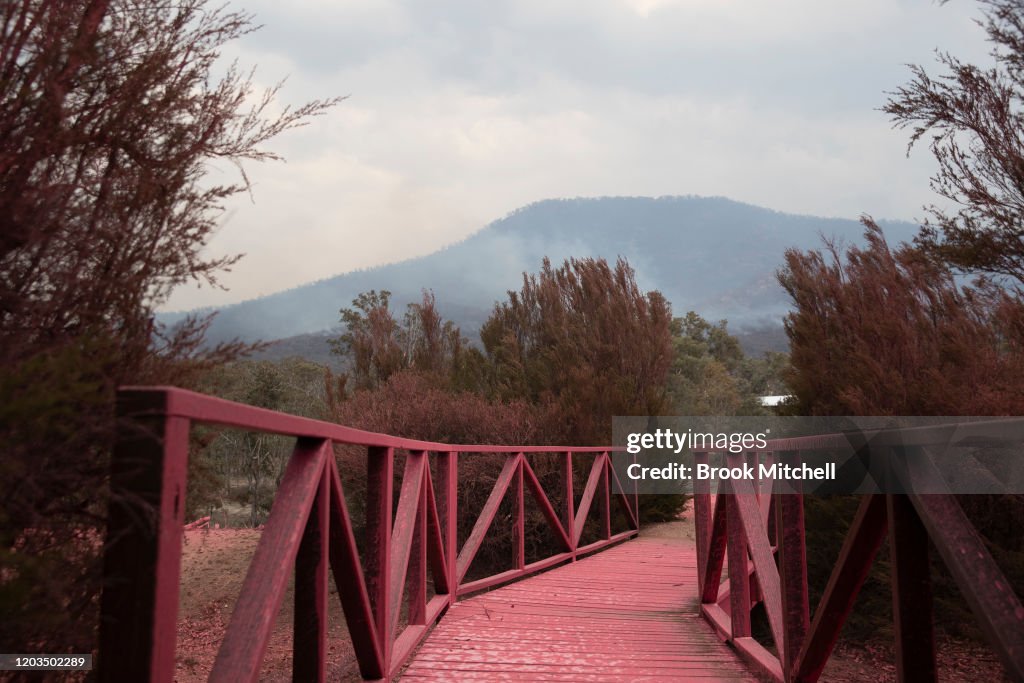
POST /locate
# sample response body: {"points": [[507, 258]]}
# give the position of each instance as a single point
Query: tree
{"points": [[883, 332], [111, 115], [378, 346], [975, 117], [585, 337], [892, 331], [711, 375], [222, 458]]}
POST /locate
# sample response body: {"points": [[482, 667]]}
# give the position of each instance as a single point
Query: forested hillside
{"points": [[710, 255]]}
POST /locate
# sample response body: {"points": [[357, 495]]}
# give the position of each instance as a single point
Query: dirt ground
{"points": [[214, 563]]}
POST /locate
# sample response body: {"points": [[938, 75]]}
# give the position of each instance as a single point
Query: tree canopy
{"points": [[584, 336], [972, 118], [112, 113]]}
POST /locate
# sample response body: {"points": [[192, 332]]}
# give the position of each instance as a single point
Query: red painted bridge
{"points": [[605, 604]]}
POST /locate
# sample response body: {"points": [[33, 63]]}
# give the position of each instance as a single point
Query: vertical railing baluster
{"points": [[570, 502], [752, 459], [739, 572], [606, 497], [142, 558], [911, 591], [416, 578], [792, 557], [636, 499], [701, 518], [309, 643], [447, 493], [380, 478], [519, 516]]}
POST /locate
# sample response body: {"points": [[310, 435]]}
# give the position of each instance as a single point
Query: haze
{"points": [[461, 111]]}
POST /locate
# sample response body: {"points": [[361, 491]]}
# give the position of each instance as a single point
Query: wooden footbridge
{"points": [[640, 609]]}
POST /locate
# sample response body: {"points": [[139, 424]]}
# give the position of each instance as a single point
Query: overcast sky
{"points": [[460, 111]]}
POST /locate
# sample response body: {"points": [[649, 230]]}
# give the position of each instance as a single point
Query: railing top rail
{"points": [[175, 402]]}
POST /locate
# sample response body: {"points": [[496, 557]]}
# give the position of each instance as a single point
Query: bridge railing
{"points": [[761, 532], [310, 529]]}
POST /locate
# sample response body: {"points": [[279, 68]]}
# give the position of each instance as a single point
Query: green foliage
{"points": [[711, 375]]}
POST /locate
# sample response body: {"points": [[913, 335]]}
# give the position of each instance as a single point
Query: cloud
{"points": [[461, 111]]}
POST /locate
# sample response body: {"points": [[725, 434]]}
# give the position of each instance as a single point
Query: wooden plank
{"points": [[760, 659], [175, 402], [605, 542], [618, 615], [991, 597], [606, 498]]}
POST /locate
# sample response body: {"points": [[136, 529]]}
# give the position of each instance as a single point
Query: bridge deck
{"points": [[628, 613]]}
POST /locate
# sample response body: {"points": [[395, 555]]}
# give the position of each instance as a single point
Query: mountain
{"points": [[708, 254]]}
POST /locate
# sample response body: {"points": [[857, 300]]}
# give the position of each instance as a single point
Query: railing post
{"points": [[416, 578], [380, 471], [606, 498], [792, 555], [756, 592], [519, 517], [447, 493], [309, 645], [636, 499], [570, 502], [701, 519], [911, 592], [142, 557], [739, 572]]}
